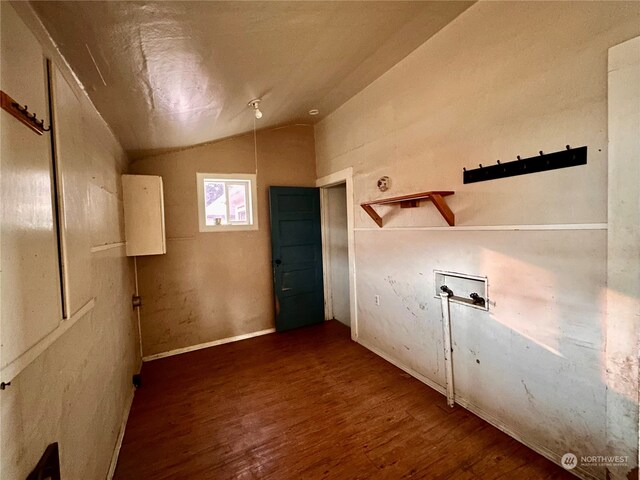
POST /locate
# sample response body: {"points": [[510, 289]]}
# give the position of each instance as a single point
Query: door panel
{"points": [[296, 246]]}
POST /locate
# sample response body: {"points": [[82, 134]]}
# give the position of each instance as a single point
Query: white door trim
{"points": [[343, 176]]}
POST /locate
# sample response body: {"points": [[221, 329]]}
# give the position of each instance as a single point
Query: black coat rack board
{"points": [[570, 157]]}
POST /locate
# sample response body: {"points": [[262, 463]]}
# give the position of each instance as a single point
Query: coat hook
{"points": [[480, 165], [518, 157], [45, 129], [4, 385], [541, 152], [568, 147], [464, 169], [498, 162]]}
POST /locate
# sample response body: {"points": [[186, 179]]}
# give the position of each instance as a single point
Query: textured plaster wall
{"points": [[214, 285], [77, 391], [503, 79]]}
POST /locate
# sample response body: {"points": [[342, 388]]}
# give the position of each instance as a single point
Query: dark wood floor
{"points": [[307, 404]]}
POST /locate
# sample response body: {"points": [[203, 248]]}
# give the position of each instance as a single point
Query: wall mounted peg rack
{"points": [[22, 114], [570, 157]]}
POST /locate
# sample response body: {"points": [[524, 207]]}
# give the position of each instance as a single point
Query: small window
{"points": [[226, 202]]}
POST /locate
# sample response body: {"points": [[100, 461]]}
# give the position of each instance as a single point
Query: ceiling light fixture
{"points": [[314, 111], [256, 107]]}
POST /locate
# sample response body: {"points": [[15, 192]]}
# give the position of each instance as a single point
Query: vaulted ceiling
{"points": [[171, 74]]}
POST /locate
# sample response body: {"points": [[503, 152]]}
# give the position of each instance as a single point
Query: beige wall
{"points": [[78, 389], [503, 79], [211, 286]]}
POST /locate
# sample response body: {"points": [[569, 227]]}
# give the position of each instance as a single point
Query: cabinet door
{"points": [[30, 298], [143, 215]]}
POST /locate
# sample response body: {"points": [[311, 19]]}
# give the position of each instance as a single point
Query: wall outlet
{"points": [[377, 300]]}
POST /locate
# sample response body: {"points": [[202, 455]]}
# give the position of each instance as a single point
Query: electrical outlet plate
{"points": [[462, 285]]}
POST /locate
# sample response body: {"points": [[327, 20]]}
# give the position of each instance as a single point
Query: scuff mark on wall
{"points": [[411, 302], [529, 394]]}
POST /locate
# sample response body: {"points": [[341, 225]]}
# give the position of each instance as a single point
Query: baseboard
{"points": [[536, 447], [123, 426], [437, 387], [487, 417], [200, 346]]}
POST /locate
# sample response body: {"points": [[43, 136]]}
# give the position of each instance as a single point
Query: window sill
{"points": [[228, 228]]}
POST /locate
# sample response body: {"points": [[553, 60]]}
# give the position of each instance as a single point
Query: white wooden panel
{"points": [[144, 215], [31, 300], [73, 190], [623, 255]]}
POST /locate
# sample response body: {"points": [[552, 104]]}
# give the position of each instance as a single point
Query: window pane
{"points": [[227, 203], [238, 203], [215, 203]]}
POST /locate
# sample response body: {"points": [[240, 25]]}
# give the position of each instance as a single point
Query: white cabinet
{"points": [[144, 215]]}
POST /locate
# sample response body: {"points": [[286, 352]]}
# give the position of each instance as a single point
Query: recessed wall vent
{"points": [[468, 290]]}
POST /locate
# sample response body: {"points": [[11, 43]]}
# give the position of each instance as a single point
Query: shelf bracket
{"points": [[444, 209], [373, 214]]}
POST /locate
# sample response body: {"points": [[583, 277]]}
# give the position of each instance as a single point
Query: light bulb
{"points": [[256, 107]]}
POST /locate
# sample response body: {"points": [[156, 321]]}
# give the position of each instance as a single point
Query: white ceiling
{"points": [[171, 74]]}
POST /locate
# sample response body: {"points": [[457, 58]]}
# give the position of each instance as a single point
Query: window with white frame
{"points": [[227, 202]]}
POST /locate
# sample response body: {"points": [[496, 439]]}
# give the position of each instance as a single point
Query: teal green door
{"points": [[296, 248]]}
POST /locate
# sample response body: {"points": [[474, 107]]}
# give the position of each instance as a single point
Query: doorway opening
{"points": [[337, 263], [336, 202]]}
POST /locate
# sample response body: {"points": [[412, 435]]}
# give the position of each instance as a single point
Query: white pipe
{"points": [[135, 276], [448, 361]]}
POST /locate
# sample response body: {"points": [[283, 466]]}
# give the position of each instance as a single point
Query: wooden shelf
{"points": [[411, 201]]}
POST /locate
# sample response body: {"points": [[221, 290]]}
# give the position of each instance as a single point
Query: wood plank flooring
{"points": [[307, 404]]}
